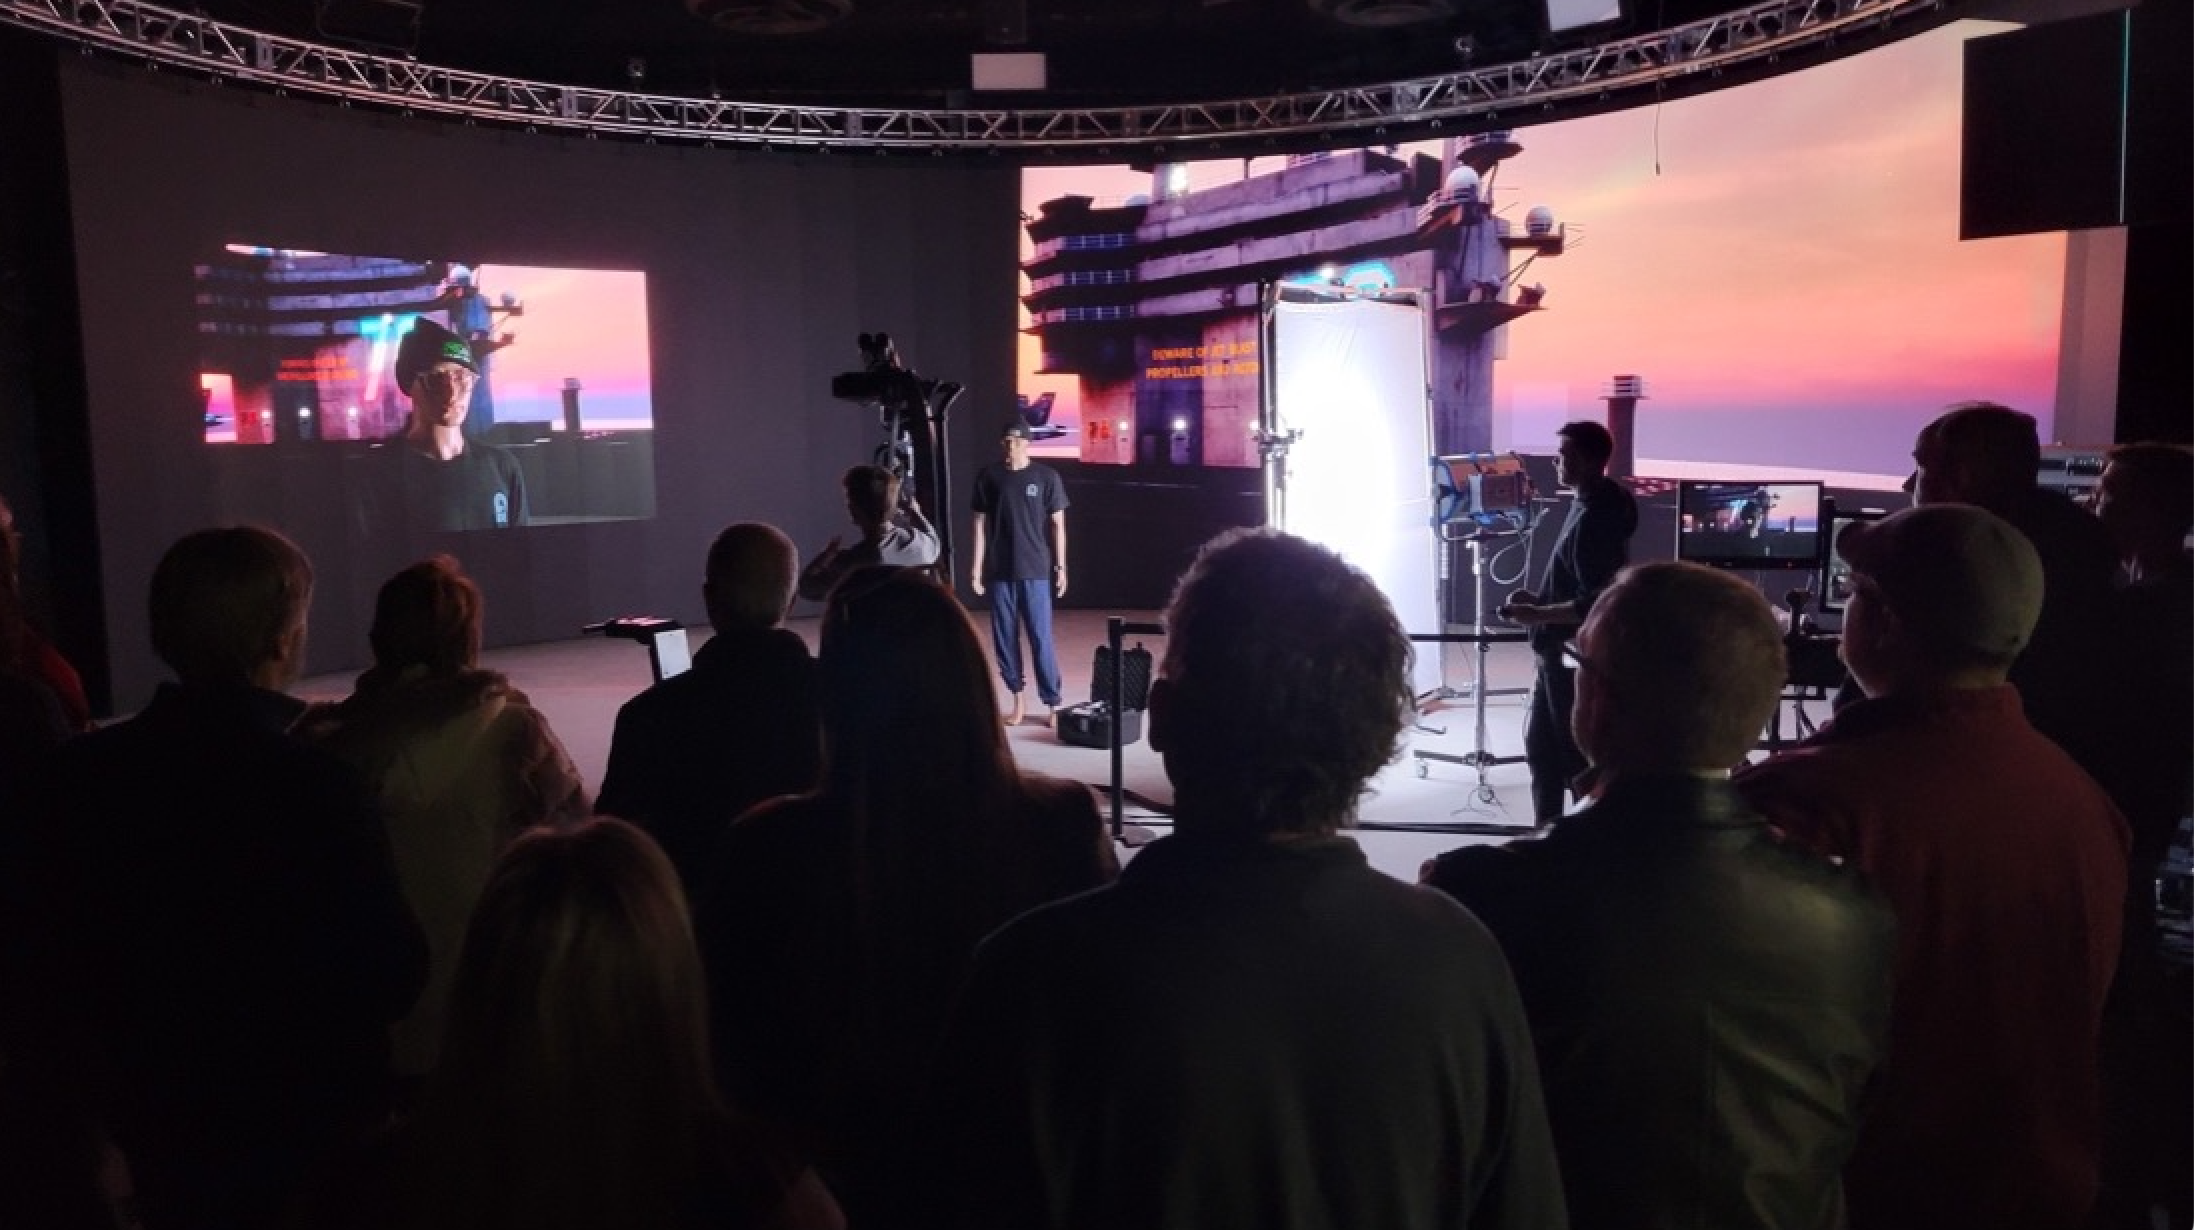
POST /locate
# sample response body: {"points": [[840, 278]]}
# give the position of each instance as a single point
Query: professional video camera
{"points": [[1814, 661], [911, 411]]}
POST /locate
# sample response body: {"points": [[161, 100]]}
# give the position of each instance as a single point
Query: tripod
{"points": [[1478, 757]]}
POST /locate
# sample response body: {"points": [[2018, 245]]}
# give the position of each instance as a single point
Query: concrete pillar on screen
{"points": [[571, 406], [1622, 396]]}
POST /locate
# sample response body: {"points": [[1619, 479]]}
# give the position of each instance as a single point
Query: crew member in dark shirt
{"points": [[440, 479], [1593, 546]]}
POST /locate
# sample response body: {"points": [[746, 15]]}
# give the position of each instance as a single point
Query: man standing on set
{"points": [[1021, 563], [1593, 546]]}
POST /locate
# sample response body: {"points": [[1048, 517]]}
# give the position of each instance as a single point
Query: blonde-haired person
{"points": [[575, 1088]]}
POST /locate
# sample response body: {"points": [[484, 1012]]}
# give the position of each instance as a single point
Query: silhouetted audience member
{"points": [[1989, 456], [841, 921], [59, 1170], [217, 940], [894, 533], [41, 699], [2146, 501], [574, 1091], [1707, 1000], [694, 751], [461, 762], [2004, 861], [1592, 546], [1253, 1027]]}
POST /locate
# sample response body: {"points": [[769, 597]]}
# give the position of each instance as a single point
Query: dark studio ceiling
{"points": [[915, 53]]}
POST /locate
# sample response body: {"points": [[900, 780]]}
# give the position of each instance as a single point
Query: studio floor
{"points": [[1415, 809]]}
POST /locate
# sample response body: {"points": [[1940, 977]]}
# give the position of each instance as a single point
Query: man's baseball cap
{"points": [[1016, 430], [426, 345], [1962, 577]]}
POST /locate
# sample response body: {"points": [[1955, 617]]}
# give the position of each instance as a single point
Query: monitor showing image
{"points": [[1835, 573], [304, 350], [1749, 525]]}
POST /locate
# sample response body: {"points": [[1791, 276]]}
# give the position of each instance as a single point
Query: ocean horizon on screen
{"points": [[1778, 261]]}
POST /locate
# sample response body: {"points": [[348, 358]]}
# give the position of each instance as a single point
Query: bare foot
{"points": [[1017, 712]]}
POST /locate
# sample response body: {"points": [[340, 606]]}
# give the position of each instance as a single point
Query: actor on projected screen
{"points": [[1593, 546], [1021, 562], [441, 479]]}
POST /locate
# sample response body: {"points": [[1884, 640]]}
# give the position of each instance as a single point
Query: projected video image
{"points": [[554, 420], [1778, 263], [1749, 525]]}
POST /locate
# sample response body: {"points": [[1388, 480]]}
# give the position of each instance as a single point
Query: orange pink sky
{"points": [[1780, 261], [587, 324]]}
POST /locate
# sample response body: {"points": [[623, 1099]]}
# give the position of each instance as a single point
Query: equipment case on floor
{"points": [[1089, 724]]}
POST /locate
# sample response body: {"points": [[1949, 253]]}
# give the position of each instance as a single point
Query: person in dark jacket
{"points": [[693, 752], [1708, 1002], [2146, 501], [1592, 547], [837, 924], [215, 941], [1989, 456], [1253, 1027]]}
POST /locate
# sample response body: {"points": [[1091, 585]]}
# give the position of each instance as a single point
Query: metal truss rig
{"points": [[1590, 78]]}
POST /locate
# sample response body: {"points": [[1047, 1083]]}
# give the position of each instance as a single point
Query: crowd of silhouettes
{"points": [[822, 955]]}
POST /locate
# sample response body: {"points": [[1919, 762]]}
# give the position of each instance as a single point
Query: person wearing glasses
{"points": [[441, 479]]}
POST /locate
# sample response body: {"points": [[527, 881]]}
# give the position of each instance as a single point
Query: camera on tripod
{"points": [[885, 382]]}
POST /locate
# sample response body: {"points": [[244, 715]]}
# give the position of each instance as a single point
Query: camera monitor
{"points": [[1835, 573], [1750, 525]]}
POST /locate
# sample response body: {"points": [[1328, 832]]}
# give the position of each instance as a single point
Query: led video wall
{"points": [[1778, 262]]}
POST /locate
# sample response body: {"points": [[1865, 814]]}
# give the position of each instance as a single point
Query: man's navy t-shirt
{"points": [[482, 488], [1019, 504]]}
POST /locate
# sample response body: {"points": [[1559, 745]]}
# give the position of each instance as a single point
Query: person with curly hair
{"points": [[1252, 1027]]}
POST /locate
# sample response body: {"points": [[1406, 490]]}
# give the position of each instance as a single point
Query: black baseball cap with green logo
{"points": [[426, 345]]}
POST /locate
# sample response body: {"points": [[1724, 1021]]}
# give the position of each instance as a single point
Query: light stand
{"points": [[1490, 497], [1477, 757], [1272, 450]]}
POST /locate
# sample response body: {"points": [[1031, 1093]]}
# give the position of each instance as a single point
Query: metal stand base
{"points": [[1475, 691]]}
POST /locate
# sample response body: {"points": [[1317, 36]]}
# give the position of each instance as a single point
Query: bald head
{"points": [[751, 570], [1682, 667]]}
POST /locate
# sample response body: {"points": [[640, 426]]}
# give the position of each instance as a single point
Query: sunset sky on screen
{"points": [[1780, 261]]}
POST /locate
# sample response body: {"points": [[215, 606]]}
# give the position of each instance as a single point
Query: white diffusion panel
{"points": [[1350, 376]]}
